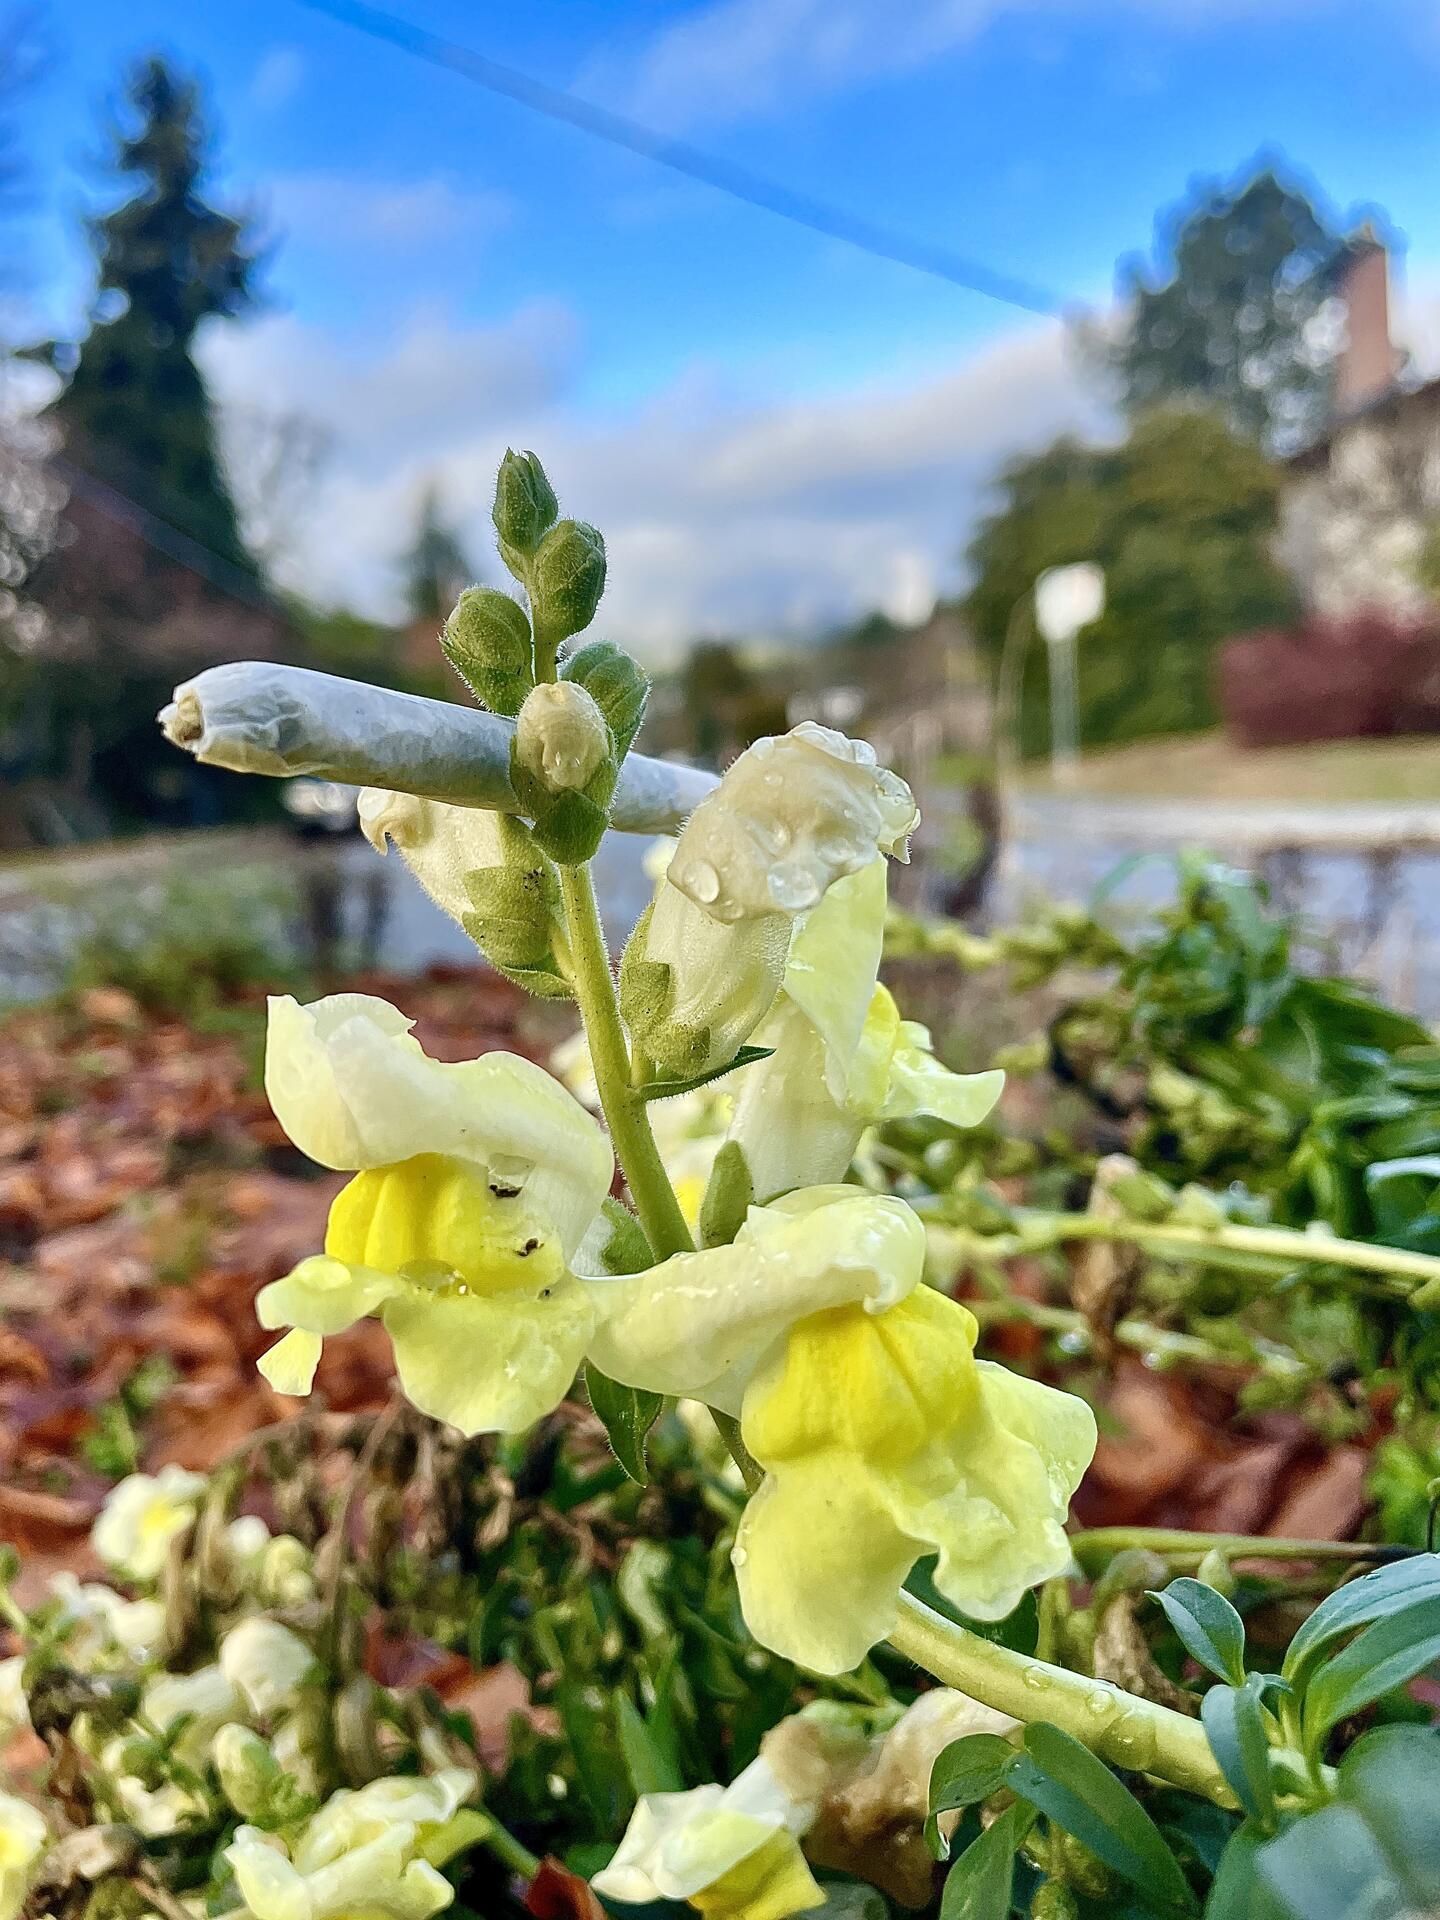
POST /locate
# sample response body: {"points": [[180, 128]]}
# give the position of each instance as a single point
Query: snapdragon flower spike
{"points": [[475, 1183], [731, 1852], [882, 1438], [791, 817], [841, 1058]]}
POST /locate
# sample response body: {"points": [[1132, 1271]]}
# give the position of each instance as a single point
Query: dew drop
{"points": [[1098, 1703], [1035, 1679], [738, 1556], [703, 882]]}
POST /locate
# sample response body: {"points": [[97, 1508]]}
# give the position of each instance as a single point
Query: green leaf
{"points": [[729, 1193], [628, 1414], [1235, 1727], [651, 1768], [981, 1883], [1210, 1629], [667, 1089], [1372, 1597], [1329, 1867], [1388, 1654], [1393, 1777], [1080, 1793], [1237, 1891], [625, 1250], [968, 1770]]}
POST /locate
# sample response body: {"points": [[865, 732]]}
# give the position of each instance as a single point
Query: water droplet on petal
{"points": [[1098, 1702], [1036, 1679], [703, 882], [738, 1556]]}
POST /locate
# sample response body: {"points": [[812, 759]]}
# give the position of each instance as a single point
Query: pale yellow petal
{"points": [[489, 1363]]}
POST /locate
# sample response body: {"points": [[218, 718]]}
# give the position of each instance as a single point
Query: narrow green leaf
{"points": [[667, 1089], [651, 1768], [1235, 1727], [729, 1193], [1371, 1597], [628, 1414], [981, 1883], [1210, 1629], [1080, 1793], [1390, 1652]]}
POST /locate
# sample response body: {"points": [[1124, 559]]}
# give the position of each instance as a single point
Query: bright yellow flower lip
{"points": [[487, 1323], [883, 1439]]}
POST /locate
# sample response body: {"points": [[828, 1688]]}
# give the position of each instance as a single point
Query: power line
{"points": [[755, 189], [185, 551]]}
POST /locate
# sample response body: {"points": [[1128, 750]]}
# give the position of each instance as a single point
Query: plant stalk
{"points": [[1119, 1727], [622, 1103]]}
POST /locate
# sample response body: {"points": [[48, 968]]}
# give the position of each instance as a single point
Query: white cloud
{"points": [[277, 79], [754, 518], [730, 59], [343, 210]]}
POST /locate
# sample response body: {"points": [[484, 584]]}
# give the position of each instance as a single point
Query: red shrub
{"points": [[1362, 676]]}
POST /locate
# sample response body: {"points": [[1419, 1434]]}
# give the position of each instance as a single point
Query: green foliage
{"points": [[1181, 516], [134, 410], [1221, 314], [1210, 1629]]}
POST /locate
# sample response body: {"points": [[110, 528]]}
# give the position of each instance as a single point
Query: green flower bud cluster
{"points": [[487, 641], [571, 739]]}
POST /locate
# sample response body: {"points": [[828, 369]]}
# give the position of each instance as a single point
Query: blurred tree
{"points": [[1180, 515], [436, 566], [726, 703], [134, 412], [1226, 313], [152, 579]]}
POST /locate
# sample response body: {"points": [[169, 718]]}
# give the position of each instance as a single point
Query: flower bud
{"points": [[567, 578], [249, 1772], [286, 1574], [525, 503], [487, 641], [692, 989], [264, 1662], [561, 737], [618, 685], [793, 814]]}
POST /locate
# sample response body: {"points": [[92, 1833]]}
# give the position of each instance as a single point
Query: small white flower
{"points": [[731, 1852], [98, 1623], [22, 1841], [265, 1662], [204, 1700], [140, 1518]]}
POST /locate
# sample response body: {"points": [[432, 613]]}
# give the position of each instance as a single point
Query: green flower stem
{"points": [[1177, 1241], [508, 1850], [1096, 1544], [623, 1105], [1119, 1727]]}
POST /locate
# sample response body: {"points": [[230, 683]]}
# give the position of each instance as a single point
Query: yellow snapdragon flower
{"points": [[841, 1057], [141, 1516], [882, 1438], [370, 1854], [474, 1185], [731, 1852]]}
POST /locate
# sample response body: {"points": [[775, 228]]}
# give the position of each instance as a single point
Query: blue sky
{"points": [[773, 428]]}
